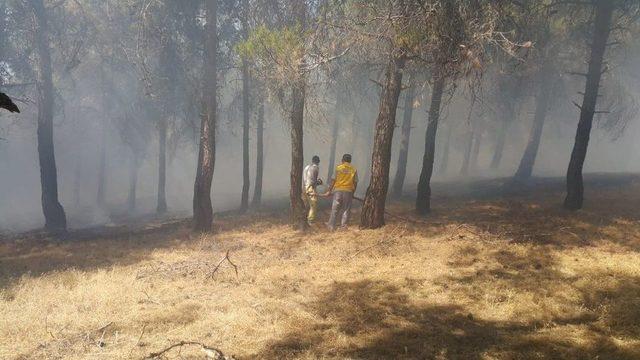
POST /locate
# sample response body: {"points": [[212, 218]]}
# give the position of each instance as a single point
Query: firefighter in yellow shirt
{"points": [[343, 185]]}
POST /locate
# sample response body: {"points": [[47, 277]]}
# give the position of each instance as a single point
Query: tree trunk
{"points": [[468, 147], [401, 171], [297, 156], [133, 182], [500, 141], [475, 152], [102, 168], [423, 199], [202, 208], [334, 138], [162, 166], [445, 155], [602, 29], [298, 218], [354, 131], [525, 169], [257, 188], [246, 110], [55, 218], [376, 196], [370, 133], [77, 180]]}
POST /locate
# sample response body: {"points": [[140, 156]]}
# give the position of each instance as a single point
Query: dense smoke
{"points": [[115, 80]]}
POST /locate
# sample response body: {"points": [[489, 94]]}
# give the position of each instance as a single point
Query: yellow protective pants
{"points": [[311, 201]]}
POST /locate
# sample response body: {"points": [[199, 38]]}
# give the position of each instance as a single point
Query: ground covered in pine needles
{"points": [[486, 276]]}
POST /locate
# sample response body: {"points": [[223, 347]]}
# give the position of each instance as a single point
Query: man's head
{"points": [[315, 159], [346, 158]]}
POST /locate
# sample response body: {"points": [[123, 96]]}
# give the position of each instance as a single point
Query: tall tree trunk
{"points": [[468, 147], [500, 141], [475, 152], [246, 111], [376, 196], [77, 180], [297, 156], [354, 131], [102, 168], [162, 166], [401, 170], [257, 188], [444, 164], [202, 208], [246, 182], [334, 138], [55, 218], [602, 29], [133, 182], [298, 94], [368, 145], [525, 169], [423, 199]]}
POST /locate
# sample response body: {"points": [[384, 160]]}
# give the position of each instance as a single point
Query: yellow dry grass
{"points": [[513, 278]]}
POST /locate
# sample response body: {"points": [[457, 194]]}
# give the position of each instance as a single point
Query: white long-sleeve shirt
{"points": [[310, 175]]}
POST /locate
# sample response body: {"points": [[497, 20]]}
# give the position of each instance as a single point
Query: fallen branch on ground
{"points": [[565, 229], [100, 342], [226, 257], [211, 353]]}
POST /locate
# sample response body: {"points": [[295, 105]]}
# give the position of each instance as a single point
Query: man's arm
{"points": [[332, 182]]}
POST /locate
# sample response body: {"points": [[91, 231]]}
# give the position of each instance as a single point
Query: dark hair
{"points": [[315, 159], [346, 158]]}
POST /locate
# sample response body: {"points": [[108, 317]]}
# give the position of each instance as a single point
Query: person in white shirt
{"points": [[309, 183]]}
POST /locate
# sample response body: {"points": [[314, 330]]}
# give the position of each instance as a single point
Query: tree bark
{"points": [[423, 199], [162, 166], [334, 138], [602, 29], [246, 111], [403, 155], [525, 169], [444, 164], [368, 145], [374, 202], [202, 208], [257, 188], [102, 168], [475, 152], [297, 156], [500, 140], [354, 131], [55, 218], [77, 181], [298, 218], [468, 147], [133, 182]]}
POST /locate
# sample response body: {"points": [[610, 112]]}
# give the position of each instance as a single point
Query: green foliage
{"points": [[266, 45]]}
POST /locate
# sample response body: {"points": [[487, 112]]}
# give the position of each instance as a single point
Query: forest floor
{"points": [[486, 276]]}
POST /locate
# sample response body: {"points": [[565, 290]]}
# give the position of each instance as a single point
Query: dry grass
{"points": [[512, 278]]}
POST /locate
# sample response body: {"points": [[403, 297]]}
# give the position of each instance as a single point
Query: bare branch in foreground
{"points": [[226, 257], [211, 353]]}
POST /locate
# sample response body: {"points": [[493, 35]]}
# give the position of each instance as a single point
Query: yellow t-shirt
{"points": [[346, 176]]}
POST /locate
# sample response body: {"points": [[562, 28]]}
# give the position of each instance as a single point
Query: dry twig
{"points": [[226, 257], [211, 353]]}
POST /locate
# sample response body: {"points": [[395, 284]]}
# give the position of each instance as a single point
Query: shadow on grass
{"points": [[533, 213], [37, 253], [376, 320]]}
